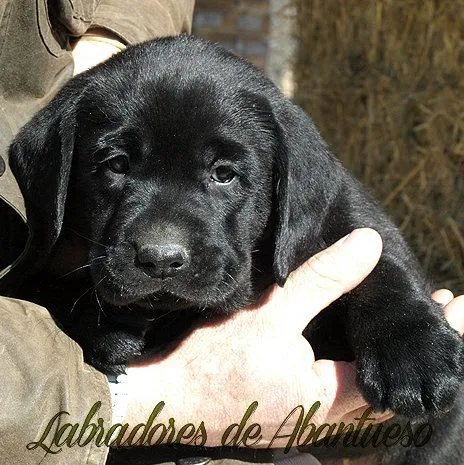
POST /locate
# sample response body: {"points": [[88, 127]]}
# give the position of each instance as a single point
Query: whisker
{"points": [[79, 298], [257, 269], [231, 277], [81, 267], [100, 305], [82, 295], [101, 309], [159, 317], [87, 238]]}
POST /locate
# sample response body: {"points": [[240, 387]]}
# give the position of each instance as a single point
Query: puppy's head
{"points": [[182, 166]]}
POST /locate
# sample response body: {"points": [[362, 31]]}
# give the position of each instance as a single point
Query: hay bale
{"points": [[383, 81]]}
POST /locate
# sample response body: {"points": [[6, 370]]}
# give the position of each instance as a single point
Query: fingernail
{"points": [[343, 239], [370, 238]]}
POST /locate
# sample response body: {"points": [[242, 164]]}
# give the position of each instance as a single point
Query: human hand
{"points": [[93, 48], [259, 354]]}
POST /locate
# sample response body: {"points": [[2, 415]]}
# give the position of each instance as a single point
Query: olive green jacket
{"points": [[42, 370]]}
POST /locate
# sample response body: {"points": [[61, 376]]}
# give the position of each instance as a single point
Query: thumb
{"points": [[327, 276]]}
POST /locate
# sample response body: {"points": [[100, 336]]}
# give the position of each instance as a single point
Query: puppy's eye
{"points": [[119, 164], [223, 174]]}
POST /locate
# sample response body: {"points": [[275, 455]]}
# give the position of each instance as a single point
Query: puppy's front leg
{"points": [[408, 358], [111, 349], [107, 346]]}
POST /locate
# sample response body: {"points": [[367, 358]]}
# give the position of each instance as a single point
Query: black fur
{"points": [[165, 236]]}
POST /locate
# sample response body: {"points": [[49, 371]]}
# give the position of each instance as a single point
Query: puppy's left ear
{"points": [[40, 157], [308, 180]]}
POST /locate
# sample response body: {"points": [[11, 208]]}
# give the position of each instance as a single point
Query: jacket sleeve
{"points": [[47, 389], [132, 21], [150, 18]]}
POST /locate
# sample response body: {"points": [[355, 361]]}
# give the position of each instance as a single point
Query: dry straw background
{"points": [[383, 81]]}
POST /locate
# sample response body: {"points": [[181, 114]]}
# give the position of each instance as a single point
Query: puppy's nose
{"points": [[162, 260]]}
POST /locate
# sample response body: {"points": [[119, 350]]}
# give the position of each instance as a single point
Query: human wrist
{"points": [[94, 47], [120, 395]]}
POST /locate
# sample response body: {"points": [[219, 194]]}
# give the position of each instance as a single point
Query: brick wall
{"points": [[240, 25]]}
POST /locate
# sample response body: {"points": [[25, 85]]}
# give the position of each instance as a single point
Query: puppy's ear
{"points": [[308, 181], [40, 157]]}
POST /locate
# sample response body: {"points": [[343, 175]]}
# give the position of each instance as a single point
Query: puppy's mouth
{"points": [[159, 296], [156, 301], [162, 302]]}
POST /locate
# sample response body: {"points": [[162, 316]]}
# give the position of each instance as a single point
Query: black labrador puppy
{"points": [[174, 182]]}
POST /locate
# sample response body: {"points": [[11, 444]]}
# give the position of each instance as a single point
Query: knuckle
{"points": [[326, 271]]}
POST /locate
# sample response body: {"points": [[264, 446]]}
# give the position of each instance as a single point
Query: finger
{"points": [[454, 313], [330, 274], [443, 296]]}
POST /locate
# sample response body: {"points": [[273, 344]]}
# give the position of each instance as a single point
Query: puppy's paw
{"points": [[112, 350], [414, 369]]}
